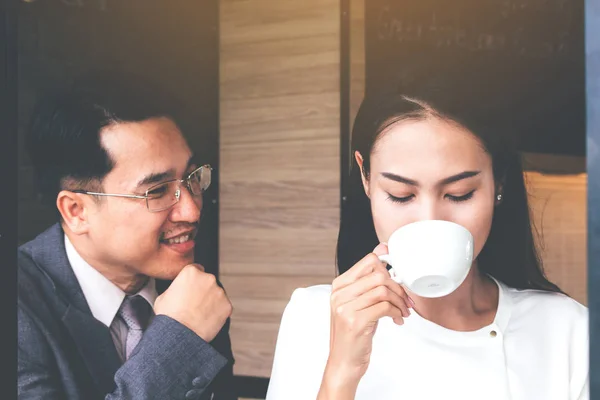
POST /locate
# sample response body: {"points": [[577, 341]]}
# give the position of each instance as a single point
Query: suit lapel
{"points": [[91, 337], [95, 344]]}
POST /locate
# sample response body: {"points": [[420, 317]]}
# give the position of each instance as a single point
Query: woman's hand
{"points": [[359, 298]]}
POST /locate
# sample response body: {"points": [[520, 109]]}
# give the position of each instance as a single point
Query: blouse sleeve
{"points": [[580, 385], [302, 347]]}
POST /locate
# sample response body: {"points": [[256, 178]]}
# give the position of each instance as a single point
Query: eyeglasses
{"points": [[165, 195]]}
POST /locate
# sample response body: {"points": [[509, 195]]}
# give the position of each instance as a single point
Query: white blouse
{"points": [[536, 349]]}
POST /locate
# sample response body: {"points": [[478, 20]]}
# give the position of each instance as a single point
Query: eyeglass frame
{"points": [[145, 196]]}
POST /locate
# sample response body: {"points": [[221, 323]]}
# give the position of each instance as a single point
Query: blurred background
{"points": [[272, 88]]}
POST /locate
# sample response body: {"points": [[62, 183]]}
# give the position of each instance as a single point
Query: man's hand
{"points": [[195, 300]]}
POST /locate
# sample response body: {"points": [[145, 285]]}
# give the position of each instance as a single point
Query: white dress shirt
{"points": [[535, 349], [103, 297]]}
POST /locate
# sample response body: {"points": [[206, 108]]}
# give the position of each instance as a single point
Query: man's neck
{"points": [[123, 277]]}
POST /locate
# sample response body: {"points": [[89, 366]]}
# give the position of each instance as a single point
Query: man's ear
{"points": [[74, 209], [365, 181]]}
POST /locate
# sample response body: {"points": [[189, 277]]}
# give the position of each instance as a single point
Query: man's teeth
{"points": [[179, 239]]}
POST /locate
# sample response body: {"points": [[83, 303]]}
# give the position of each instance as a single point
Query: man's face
{"points": [[123, 234]]}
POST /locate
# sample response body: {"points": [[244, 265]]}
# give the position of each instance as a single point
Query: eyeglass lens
{"points": [[164, 195]]}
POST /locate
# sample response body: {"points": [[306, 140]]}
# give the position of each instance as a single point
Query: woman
{"points": [[505, 333]]}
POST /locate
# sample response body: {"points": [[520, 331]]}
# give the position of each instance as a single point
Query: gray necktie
{"points": [[136, 313]]}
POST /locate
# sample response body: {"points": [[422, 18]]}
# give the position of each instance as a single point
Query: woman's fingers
{"points": [[362, 268], [377, 295], [378, 277], [383, 309], [381, 249]]}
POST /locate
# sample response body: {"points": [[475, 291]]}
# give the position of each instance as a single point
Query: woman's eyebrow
{"points": [[445, 181]]}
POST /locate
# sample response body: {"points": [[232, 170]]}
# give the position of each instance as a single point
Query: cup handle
{"points": [[386, 259]]}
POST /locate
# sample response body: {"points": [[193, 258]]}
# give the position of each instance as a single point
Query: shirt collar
{"points": [[505, 305], [439, 333], [103, 297]]}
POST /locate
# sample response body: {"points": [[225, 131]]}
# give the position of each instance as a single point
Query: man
{"points": [[128, 193]]}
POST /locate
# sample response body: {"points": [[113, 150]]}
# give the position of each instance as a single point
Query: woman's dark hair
{"points": [[509, 254], [63, 139]]}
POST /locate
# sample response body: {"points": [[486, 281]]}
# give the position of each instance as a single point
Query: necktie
{"points": [[136, 313]]}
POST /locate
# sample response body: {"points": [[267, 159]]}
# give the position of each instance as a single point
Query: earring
{"points": [[499, 197]]}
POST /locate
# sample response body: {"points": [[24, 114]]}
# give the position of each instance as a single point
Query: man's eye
{"points": [[157, 192]]}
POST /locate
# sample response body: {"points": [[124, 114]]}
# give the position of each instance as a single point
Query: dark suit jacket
{"points": [[64, 353]]}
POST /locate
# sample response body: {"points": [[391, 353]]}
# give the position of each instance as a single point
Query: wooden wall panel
{"points": [[256, 120], [302, 160], [559, 209], [279, 162]]}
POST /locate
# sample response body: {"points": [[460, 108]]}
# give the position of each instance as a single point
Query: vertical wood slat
{"points": [[279, 155], [559, 209]]}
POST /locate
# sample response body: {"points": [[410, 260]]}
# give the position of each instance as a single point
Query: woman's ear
{"points": [[499, 194], [363, 177]]}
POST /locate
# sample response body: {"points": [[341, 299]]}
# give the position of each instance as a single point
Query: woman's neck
{"points": [[470, 307]]}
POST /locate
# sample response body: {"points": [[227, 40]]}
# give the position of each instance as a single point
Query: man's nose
{"points": [[188, 207]]}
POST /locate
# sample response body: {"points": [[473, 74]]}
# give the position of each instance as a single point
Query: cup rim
{"points": [[429, 221]]}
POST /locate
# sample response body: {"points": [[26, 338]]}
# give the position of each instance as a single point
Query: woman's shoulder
{"points": [[307, 313], [312, 293], [558, 305], [310, 299]]}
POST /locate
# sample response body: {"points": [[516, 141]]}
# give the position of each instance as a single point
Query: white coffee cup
{"points": [[431, 258]]}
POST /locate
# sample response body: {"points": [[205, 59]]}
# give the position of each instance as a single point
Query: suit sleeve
{"points": [[223, 385], [170, 362]]}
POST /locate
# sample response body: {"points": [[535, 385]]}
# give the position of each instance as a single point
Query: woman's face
{"points": [[430, 169]]}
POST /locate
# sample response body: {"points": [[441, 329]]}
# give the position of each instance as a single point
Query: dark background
{"points": [[8, 202], [593, 138], [172, 43], [528, 53]]}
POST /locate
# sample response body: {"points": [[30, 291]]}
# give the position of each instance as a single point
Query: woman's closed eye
{"points": [[404, 199], [454, 198], [459, 199]]}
